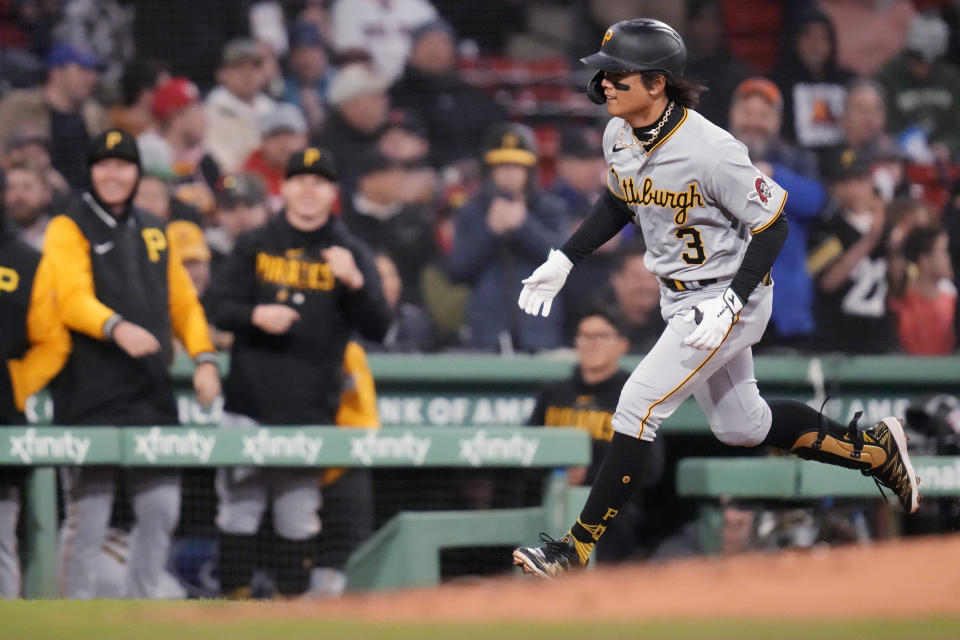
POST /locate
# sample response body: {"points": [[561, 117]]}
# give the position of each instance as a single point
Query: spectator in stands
{"points": [[581, 170], [868, 33], [924, 89], [122, 292], [411, 330], [138, 83], [848, 262], [359, 111], [635, 293], [283, 132], [28, 147], [738, 533], [903, 215], [34, 347], [241, 205], [235, 104], [587, 400], [27, 198], [286, 364], [376, 215], [60, 111], [864, 120], [951, 220], [755, 120], [176, 145], [501, 235], [432, 89], [925, 312], [383, 27], [308, 73], [813, 84], [405, 141], [103, 28], [709, 59]]}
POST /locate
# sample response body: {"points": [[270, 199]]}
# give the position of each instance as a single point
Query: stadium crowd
{"points": [[465, 149]]}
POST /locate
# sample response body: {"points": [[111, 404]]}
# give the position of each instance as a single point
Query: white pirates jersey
{"points": [[695, 195]]}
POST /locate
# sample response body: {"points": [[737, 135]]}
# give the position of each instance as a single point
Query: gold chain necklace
{"points": [[653, 134]]}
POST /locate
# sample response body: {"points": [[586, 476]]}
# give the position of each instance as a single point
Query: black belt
{"points": [[687, 285]]}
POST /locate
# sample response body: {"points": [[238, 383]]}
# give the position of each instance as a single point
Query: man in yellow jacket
{"points": [[123, 292], [34, 346]]}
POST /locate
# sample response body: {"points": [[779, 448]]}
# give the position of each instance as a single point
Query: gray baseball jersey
{"points": [[697, 199]]}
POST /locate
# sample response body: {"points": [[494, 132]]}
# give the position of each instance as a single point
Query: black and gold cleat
{"points": [[554, 558], [896, 473]]}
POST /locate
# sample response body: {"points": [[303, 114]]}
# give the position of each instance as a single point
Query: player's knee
{"points": [[299, 527], [748, 434]]}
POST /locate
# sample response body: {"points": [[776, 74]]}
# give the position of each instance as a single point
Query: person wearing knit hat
{"points": [[283, 131], [292, 291], [358, 115], [505, 229], [123, 293]]}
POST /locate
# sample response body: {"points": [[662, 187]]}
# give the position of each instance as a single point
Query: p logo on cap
{"points": [[310, 156], [113, 139], [510, 141]]}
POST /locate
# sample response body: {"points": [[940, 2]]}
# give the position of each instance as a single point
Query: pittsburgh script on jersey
{"points": [[648, 195], [294, 273]]}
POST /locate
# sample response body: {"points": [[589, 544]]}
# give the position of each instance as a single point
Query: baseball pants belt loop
{"points": [[686, 285]]}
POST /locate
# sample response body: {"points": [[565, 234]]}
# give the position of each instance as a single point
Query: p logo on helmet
{"points": [[310, 156], [113, 139], [607, 36]]}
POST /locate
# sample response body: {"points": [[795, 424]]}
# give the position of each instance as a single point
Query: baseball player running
{"points": [[713, 225]]}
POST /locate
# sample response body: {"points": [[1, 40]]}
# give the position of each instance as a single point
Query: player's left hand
{"points": [[343, 266], [206, 383], [714, 318]]}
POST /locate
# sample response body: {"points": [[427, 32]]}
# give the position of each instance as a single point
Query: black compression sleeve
{"points": [[761, 253], [607, 217]]}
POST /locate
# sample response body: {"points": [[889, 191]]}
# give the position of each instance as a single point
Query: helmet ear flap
{"points": [[595, 89]]}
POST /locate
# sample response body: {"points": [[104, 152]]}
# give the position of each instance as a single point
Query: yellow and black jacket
{"points": [[34, 343], [297, 377], [107, 267]]}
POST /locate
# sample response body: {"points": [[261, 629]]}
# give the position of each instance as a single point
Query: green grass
{"points": [[126, 620]]}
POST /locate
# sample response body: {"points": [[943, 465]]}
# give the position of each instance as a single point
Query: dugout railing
{"points": [[310, 446]]}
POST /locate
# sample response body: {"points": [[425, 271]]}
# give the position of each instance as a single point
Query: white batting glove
{"points": [[714, 318], [545, 283]]}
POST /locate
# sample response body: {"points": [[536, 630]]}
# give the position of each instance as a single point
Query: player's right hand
{"points": [[545, 283], [274, 318], [134, 339]]}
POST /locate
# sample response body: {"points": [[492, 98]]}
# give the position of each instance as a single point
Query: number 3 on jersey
{"points": [[695, 244]]}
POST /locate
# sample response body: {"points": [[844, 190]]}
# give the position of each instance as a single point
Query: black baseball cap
{"points": [[373, 161], [243, 188], [314, 161], [114, 143], [845, 164]]}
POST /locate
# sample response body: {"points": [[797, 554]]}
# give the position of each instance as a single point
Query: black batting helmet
{"points": [[640, 44]]}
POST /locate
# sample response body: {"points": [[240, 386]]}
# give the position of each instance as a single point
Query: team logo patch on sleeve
{"points": [[761, 191]]}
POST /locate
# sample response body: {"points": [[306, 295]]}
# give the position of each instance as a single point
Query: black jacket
{"points": [[18, 263], [294, 378], [107, 266]]}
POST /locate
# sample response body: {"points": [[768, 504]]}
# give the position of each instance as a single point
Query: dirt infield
{"points": [[837, 583]]}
